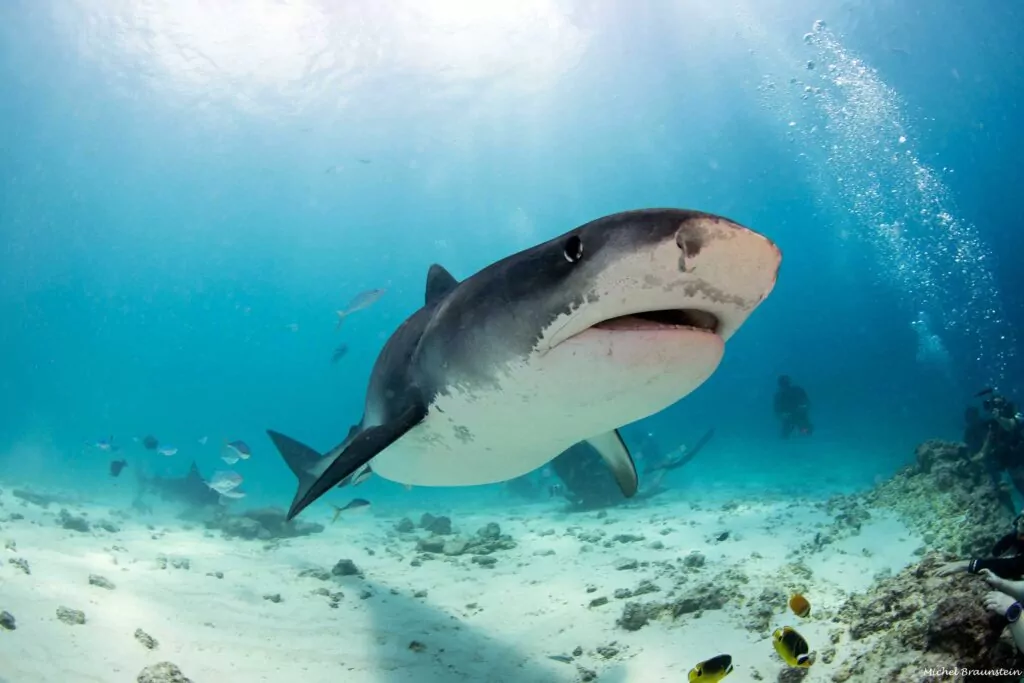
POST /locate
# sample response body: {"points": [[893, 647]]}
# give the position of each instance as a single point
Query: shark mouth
{"points": [[686, 318]]}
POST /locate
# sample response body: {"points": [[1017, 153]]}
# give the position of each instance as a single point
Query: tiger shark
{"points": [[563, 342]]}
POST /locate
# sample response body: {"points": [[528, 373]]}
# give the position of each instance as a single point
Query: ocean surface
{"points": [[190, 190]]}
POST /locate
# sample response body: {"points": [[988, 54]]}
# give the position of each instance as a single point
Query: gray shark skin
{"points": [[564, 342]]}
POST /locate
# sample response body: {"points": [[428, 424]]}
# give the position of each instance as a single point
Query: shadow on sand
{"points": [[453, 648]]}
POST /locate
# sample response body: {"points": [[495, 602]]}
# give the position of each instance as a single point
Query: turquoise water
{"points": [[191, 190]]}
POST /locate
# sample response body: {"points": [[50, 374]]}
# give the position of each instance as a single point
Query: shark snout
{"points": [[726, 268]]}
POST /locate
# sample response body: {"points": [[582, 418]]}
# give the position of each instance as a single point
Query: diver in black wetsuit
{"points": [[1007, 560], [975, 430], [792, 407], [987, 444], [1001, 429]]}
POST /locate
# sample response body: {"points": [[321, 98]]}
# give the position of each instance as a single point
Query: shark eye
{"points": [[573, 251]]}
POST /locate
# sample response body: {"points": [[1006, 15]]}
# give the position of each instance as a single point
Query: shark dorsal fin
{"points": [[439, 284]]}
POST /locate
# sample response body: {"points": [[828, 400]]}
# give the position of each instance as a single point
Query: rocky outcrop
{"points": [[488, 539], [262, 524], [163, 672], [916, 621], [707, 596], [948, 497]]}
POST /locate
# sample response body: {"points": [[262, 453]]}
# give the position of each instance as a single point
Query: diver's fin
{"points": [[691, 453], [439, 284], [615, 454], [367, 444]]}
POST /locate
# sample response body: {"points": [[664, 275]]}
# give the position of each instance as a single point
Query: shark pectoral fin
{"points": [[439, 284], [360, 450], [615, 454]]}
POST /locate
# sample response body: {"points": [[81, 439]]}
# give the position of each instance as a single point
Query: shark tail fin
{"points": [[341, 318], [300, 458]]}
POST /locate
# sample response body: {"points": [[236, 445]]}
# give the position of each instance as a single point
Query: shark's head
{"points": [[608, 323], [666, 270]]}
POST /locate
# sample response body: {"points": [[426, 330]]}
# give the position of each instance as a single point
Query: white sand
{"points": [[527, 607]]}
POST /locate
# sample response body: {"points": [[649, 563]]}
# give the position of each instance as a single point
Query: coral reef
{"points": [[69, 521], [164, 672], [148, 641], [444, 541], [917, 621], [7, 621], [70, 616], [262, 524], [97, 580], [949, 498]]}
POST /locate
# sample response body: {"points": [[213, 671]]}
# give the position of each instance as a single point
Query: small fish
{"points": [[116, 466], [222, 482], [105, 444], [203, 440], [294, 327], [167, 450], [792, 647], [339, 353], [355, 504], [564, 659], [711, 670], [149, 442], [800, 605], [230, 458], [240, 448], [358, 303], [365, 161]]}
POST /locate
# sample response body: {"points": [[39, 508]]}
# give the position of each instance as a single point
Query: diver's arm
{"points": [[987, 444], [1006, 567], [1017, 630], [953, 567]]}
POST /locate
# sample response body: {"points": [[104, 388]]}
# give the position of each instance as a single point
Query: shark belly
{"points": [[538, 408]]}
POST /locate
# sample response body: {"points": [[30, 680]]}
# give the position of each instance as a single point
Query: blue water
{"points": [[189, 191]]}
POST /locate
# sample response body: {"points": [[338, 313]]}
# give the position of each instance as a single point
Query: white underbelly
{"points": [[586, 386]]}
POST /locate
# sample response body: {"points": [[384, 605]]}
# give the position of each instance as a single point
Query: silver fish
{"points": [[359, 302]]}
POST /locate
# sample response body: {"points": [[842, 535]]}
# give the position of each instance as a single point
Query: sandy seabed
{"points": [[240, 611]]}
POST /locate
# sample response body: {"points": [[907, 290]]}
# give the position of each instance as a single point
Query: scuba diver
{"points": [[792, 407], [975, 430], [1002, 447]]}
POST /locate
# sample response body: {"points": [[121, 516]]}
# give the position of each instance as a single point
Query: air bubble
{"points": [[898, 205]]}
